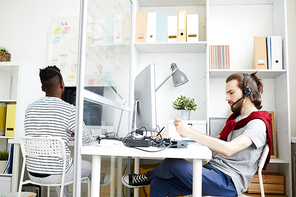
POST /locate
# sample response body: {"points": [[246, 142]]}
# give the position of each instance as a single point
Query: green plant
{"points": [[3, 49], [184, 103], [4, 155]]}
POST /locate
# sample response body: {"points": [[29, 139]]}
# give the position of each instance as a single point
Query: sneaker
{"points": [[135, 180], [105, 179]]}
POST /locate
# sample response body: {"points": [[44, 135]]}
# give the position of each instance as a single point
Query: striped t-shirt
{"points": [[51, 116]]}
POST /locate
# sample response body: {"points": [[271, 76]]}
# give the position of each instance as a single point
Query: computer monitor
{"points": [[93, 114], [145, 99]]}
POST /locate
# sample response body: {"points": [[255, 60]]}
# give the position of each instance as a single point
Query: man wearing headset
{"points": [[51, 116], [239, 147]]}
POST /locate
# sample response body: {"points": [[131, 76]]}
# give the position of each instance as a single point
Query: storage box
{"points": [[273, 183]]}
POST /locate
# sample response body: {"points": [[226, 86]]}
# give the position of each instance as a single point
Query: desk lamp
{"points": [[179, 78]]}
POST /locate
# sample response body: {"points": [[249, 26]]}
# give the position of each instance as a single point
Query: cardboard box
{"points": [[273, 183]]}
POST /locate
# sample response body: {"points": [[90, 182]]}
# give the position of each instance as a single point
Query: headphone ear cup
{"points": [[247, 91]]}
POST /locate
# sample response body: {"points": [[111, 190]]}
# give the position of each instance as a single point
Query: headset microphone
{"points": [[246, 91]]}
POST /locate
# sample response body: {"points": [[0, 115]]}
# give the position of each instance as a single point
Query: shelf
{"points": [[7, 175], [6, 137], [165, 3], [283, 161], [241, 2], [224, 73], [169, 47], [7, 101]]}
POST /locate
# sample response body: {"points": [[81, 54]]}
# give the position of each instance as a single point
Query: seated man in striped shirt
{"points": [[51, 116]]}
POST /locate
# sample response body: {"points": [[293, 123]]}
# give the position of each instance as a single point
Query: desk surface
{"points": [[193, 151]]}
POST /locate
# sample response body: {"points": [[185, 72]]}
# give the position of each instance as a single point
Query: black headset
{"points": [[247, 91], [59, 74]]}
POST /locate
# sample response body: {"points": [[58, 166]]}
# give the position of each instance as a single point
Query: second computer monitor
{"points": [[145, 99]]}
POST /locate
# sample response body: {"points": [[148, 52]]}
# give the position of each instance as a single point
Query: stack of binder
{"points": [[159, 27], [2, 118], [10, 120], [109, 29], [267, 52], [219, 57]]}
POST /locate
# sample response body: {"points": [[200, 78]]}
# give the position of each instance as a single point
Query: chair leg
{"points": [[48, 191], [88, 187]]}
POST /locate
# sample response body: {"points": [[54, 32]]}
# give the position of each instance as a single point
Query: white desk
{"points": [[193, 151]]}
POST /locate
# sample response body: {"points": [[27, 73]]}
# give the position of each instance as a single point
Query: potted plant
{"points": [[185, 105], [3, 159], [5, 56]]}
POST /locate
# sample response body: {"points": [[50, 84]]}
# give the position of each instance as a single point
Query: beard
{"points": [[237, 107]]}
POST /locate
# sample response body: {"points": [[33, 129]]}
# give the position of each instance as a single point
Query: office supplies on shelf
{"points": [[10, 120], [192, 28], [162, 27], [172, 28], [268, 51], [182, 26], [2, 118], [276, 53], [118, 28], [151, 26], [259, 53], [98, 29], [126, 27], [219, 57], [108, 32], [141, 26]]}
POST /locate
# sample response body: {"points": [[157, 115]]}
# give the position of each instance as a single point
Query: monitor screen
{"points": [[93, 114], [145, 99]]}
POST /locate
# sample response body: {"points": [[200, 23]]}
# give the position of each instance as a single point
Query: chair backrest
{"points": [[43, 146], [263, 156]]}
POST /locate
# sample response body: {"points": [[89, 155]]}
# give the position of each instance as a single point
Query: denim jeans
{"points": [[173, 177], [69, 176]]}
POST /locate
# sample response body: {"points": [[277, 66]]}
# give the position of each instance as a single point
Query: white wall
{"points": [[291, 14], [24, 25]]}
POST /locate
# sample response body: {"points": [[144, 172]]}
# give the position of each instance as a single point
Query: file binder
{"points": [[172, 28], [108, 33], [151, 26], [10, 120], [89, 29], [260, 54], [2, 118], [268, 47], [98, 30], [192, 28], [276, 53], [118, 28], [141, 26], [162, 27], [182, 25], [127, 27]]}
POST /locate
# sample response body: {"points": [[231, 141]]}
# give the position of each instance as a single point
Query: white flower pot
{"points": [[184, 114], [2, 165]]}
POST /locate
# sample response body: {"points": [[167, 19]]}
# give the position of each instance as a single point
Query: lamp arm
{"points": [[166, 79]]}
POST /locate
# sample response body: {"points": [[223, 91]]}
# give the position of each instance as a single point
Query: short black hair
{"points": [[49, 77]]}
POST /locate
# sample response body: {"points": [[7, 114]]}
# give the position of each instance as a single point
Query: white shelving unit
{"points": [[221, 22], [17, 82]]}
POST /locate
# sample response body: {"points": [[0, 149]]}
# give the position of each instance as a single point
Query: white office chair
{"points": [[261, 163], [45, 146], [260, 166]]}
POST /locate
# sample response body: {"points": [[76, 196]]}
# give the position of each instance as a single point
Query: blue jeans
{"points": [[173, 177]]}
